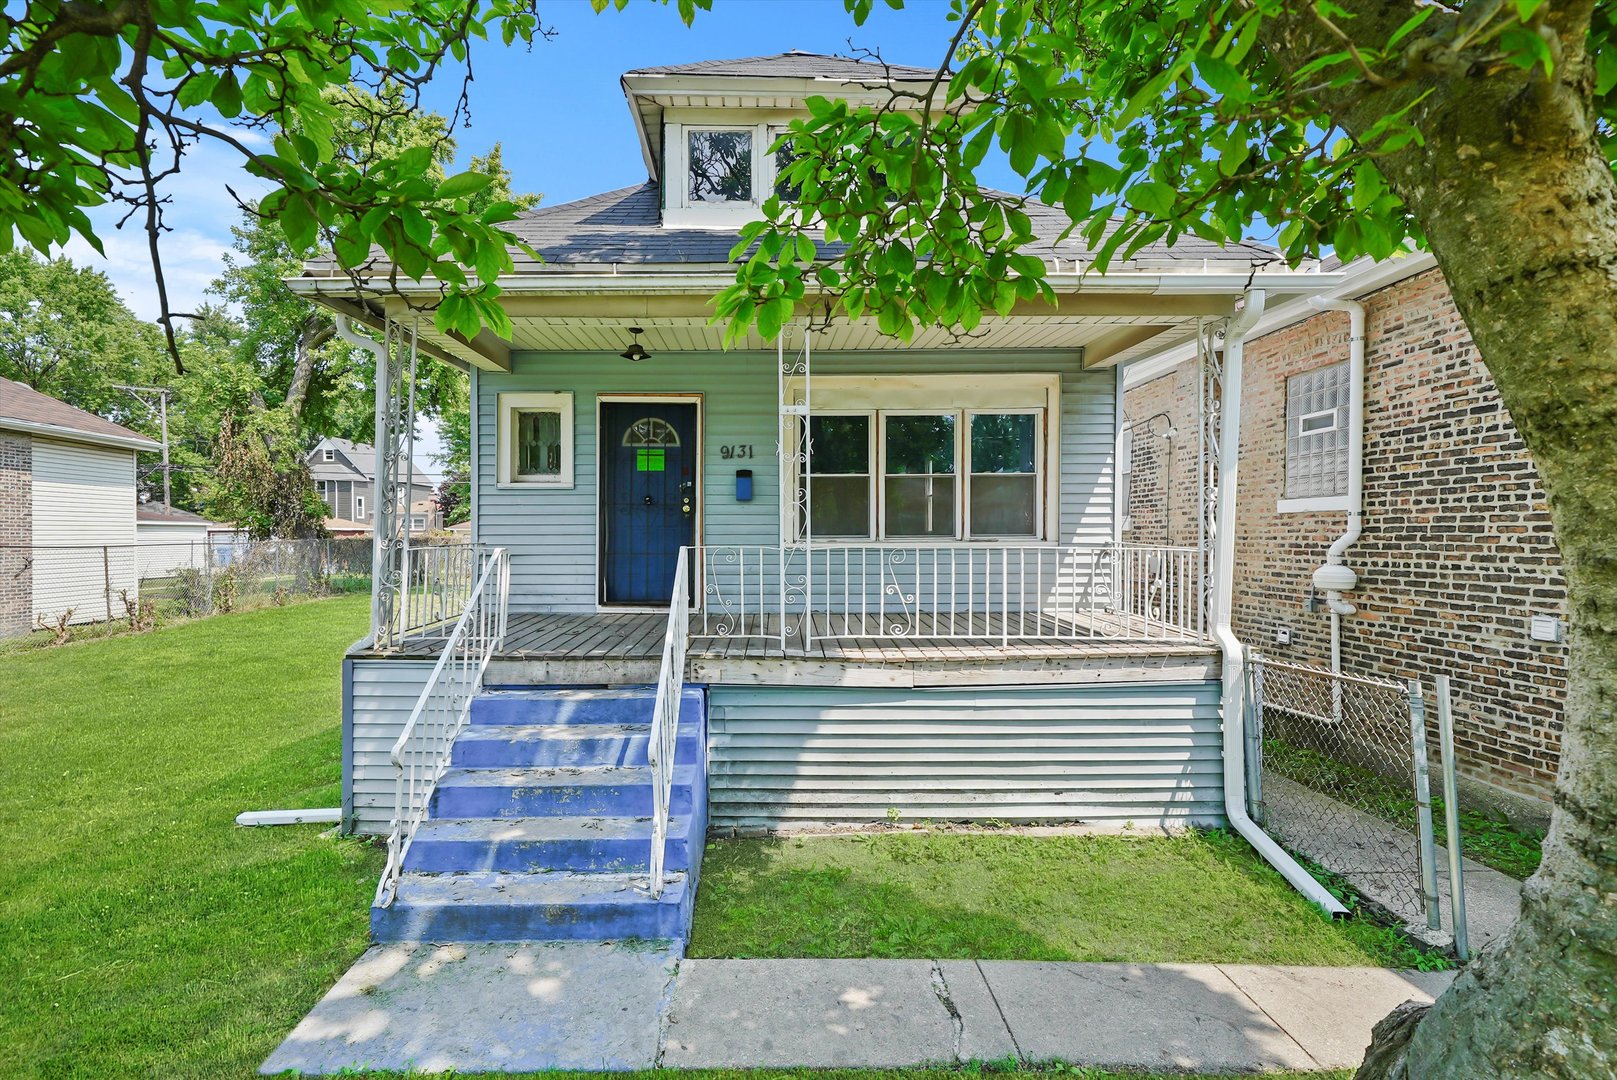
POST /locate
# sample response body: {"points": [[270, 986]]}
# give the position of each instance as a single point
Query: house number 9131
{"points": [[736, 451]]}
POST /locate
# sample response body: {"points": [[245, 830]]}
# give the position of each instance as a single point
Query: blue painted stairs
{"points": [[541, 828]]}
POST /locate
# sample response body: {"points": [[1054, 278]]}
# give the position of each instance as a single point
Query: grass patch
{"points": [[1505, 847], [961, 1072], [145, 933], [1201, 897]]}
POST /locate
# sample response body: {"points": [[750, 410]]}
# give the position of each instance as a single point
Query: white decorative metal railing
{"points": [[421, 752], [984, 591], [434, 586], [662, 750]]}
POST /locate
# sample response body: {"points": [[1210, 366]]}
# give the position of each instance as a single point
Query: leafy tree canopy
{"points": [[100, 100], [1145, 120]]}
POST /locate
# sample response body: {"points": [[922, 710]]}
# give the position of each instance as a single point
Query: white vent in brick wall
{"points": [[1548, 628]]}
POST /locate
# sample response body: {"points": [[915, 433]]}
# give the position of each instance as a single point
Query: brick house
{"points": [[1456, 557]]}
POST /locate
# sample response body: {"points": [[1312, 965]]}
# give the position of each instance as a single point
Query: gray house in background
{"points": [[344, 474]]}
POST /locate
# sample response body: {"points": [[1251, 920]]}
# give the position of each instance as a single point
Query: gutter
{"points": [[708, 282], [1234, 655], [74, 435], [1336, 576], [1358, 278]]}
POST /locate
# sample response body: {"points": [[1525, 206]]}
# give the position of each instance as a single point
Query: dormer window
{"points": [[784, 156], [719, 165], [719, 172]]}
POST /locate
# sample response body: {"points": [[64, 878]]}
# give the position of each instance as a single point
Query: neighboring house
{"points": [[344, 474], [172, 539], [903, 592], [67, 511], [1457, 566]]}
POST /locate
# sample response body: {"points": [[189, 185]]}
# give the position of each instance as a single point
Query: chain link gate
{"points": [[1339, 772]]}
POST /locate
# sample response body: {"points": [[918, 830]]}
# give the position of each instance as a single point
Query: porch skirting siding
{"points": [[376, 706], [1146, 753]]}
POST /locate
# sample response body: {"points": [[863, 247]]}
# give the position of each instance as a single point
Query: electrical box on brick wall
{"points": [[1547, 628]]}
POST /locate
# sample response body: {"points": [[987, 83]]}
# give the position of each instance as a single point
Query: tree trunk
{"points": [[1519, 206], [315, 332]]}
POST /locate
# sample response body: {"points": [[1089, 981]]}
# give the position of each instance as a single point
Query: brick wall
{"points": [[16, 534], [1457, 552]]}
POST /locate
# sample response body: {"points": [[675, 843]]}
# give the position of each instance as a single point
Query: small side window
{"points": [[536, 439]]}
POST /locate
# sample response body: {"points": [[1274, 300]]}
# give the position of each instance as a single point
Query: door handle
{"points": [[648, 500]]}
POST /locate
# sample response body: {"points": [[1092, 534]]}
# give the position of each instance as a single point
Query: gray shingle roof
{"points": [[21, 403], [157, 513], [794, 65], [362, 459], [624, 226]]}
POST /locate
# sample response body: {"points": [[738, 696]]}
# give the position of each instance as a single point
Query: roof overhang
{"points": [[1352, 281], [67, 434], [1115, 318], [649, 93]]}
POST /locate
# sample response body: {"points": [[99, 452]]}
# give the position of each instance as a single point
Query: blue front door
{"points": [[649, 464]]}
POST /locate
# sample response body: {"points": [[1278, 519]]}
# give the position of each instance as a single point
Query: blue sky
{"points": [[557, 110]]}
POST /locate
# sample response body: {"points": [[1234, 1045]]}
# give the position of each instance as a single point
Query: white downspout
{"points": [[363, 341], [1229, 454], [1336, 576]]}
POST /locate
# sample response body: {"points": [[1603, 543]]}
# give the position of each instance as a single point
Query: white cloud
{"points": [[199, 213]]}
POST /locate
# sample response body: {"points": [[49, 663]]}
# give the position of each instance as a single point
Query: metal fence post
{"points": [[1254, 738], [106, 580], [1423, 806], [1451, 817]]}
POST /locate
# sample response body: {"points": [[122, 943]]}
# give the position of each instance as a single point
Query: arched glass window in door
{"points": [[651, 431]]}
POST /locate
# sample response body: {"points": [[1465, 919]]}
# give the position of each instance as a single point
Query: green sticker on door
{"points": [[649, 459]]}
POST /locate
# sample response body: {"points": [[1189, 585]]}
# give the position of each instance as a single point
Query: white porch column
{"points": [[394, 404]]}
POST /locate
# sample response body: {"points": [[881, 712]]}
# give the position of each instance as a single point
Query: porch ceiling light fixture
{"points": [[636, 352]]}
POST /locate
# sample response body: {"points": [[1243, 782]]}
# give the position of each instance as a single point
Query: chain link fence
{"points": [[54, 590], [1341, 776]]}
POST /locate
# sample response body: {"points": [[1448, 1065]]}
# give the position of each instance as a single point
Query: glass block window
{"points": [[1317, 433], [718, 164]]}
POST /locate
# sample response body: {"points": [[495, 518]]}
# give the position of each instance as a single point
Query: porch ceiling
{"points": [[1104, 337], [1114, 319]]}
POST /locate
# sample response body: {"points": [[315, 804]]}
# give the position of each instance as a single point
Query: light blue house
{"points": [[826, 578]]}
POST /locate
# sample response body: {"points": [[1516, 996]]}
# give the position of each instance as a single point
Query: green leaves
{"points": [[91, 117]]}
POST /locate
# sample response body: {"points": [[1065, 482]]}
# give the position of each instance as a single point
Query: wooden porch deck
{"points": [[626, 648]]}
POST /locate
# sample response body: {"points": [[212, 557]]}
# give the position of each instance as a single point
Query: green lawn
{"points": [[1199, 897], [144, 932]]}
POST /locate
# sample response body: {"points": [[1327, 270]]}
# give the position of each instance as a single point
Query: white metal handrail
{"points": [[978, 591], [436, 583], [421, 752], [662, 750]]}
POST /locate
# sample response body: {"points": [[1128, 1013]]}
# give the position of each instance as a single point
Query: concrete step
{"points": [[585, 844], [589, 791], [631, 705], [492, 906], [518, 745]]}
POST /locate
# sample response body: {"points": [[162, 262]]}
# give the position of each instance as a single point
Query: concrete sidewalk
{"points": [[518, 1007]]}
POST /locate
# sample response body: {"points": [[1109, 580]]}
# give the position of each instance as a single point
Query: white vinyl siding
{"points": [[165, 548], [377, 702], [83, 498], [552, 533], [1147, 753]]}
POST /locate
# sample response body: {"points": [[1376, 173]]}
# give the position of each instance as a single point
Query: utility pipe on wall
{"points": [[1234, 673], [1336, 576]]}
